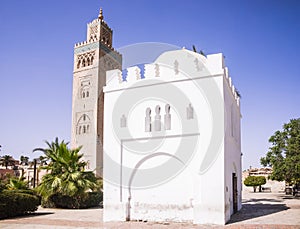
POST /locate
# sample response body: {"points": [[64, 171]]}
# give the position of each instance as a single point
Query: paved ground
{"points": [[260, 210]]}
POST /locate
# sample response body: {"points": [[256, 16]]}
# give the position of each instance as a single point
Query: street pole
{"points": [[34, 172]]}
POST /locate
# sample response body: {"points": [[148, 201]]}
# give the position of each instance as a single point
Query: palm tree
{"points": [[17, 184], [24, 160], [42, 160], [7, 160], [67, 171]]}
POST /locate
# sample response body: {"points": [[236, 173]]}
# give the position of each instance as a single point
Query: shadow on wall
{"points": [[250, 211]]}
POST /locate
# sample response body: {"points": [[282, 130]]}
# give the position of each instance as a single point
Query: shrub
{"points": [[255, 181], [2, 186], [17, 184], [15, 203], [85, 200]]}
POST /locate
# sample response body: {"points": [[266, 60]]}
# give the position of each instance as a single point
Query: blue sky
{"points": [[260, 40]]}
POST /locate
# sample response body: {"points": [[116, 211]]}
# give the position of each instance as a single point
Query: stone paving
{"points": [[260, 211]]}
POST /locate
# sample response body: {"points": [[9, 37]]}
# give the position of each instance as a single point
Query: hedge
{"points": [[86, 200], [15, 203]]}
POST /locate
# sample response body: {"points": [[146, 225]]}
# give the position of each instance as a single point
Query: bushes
{"points": [[255, 181], [2, 186], [85, 200], [14, 203]]}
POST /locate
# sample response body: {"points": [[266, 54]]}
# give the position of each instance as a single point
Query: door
{"points": [[234, 193]]}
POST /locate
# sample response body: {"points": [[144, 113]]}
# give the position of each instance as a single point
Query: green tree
{"points": [[67, 172], [255, 181], [42, 160], [284, 154], [7, 160], [24, 160]]}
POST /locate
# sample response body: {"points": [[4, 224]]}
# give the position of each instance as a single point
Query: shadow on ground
{"points": [[262, 199], [29, 215], [250, 211]]}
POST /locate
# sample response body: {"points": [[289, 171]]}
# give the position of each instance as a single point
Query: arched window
{"points": [[83, 124], [92, 60], [83, 94], [78, 64], [83, 63], [87, 94], [88, 61]]}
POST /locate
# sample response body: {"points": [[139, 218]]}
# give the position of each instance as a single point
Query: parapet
{"points": [[93, 40], [171, 66]]}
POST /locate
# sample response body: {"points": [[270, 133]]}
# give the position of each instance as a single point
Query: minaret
{"points": [[92, 58]]}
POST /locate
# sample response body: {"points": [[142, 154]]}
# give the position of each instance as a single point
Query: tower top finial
{"points": [[100, 14]]}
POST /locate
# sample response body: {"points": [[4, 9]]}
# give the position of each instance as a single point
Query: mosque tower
{"points": [[92, 58]]}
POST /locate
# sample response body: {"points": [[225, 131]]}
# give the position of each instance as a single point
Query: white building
{"points": [[172, 145], [171, 134]]}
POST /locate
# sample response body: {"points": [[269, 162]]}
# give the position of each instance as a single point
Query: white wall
{"points": [[194, 192], [232, 149]]}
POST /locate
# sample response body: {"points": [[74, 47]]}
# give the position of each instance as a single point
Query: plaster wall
{"points": [[232, 150], [184, 177], [85, 106]]}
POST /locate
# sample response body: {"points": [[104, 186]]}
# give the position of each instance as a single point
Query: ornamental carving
{"points": [[85, 59]]}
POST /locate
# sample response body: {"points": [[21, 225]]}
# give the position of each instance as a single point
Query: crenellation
{"points": [[84, 43], [114, 77], [226, 73], [231, 86], [133, 74], [155, 70], [232, 89], [150, 71], [238, 101], [228, 79]]}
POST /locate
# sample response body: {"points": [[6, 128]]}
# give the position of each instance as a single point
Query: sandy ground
{"points": [[260, 210]]}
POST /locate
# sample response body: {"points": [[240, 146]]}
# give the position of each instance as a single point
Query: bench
{"points": [[266, 189]]}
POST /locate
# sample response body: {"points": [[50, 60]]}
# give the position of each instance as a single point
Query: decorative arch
{"points": [[143, 160], [84, 91], [85, 59], [92, 60], [83, 125]]}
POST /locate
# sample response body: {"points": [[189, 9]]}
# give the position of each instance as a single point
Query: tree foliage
{"points": [[24, 160], [7, 160], [255, 181], [284, 154], [17, 184], [67, 172]]}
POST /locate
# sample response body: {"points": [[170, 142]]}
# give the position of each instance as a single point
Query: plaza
{"points": [[260, 210]]}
